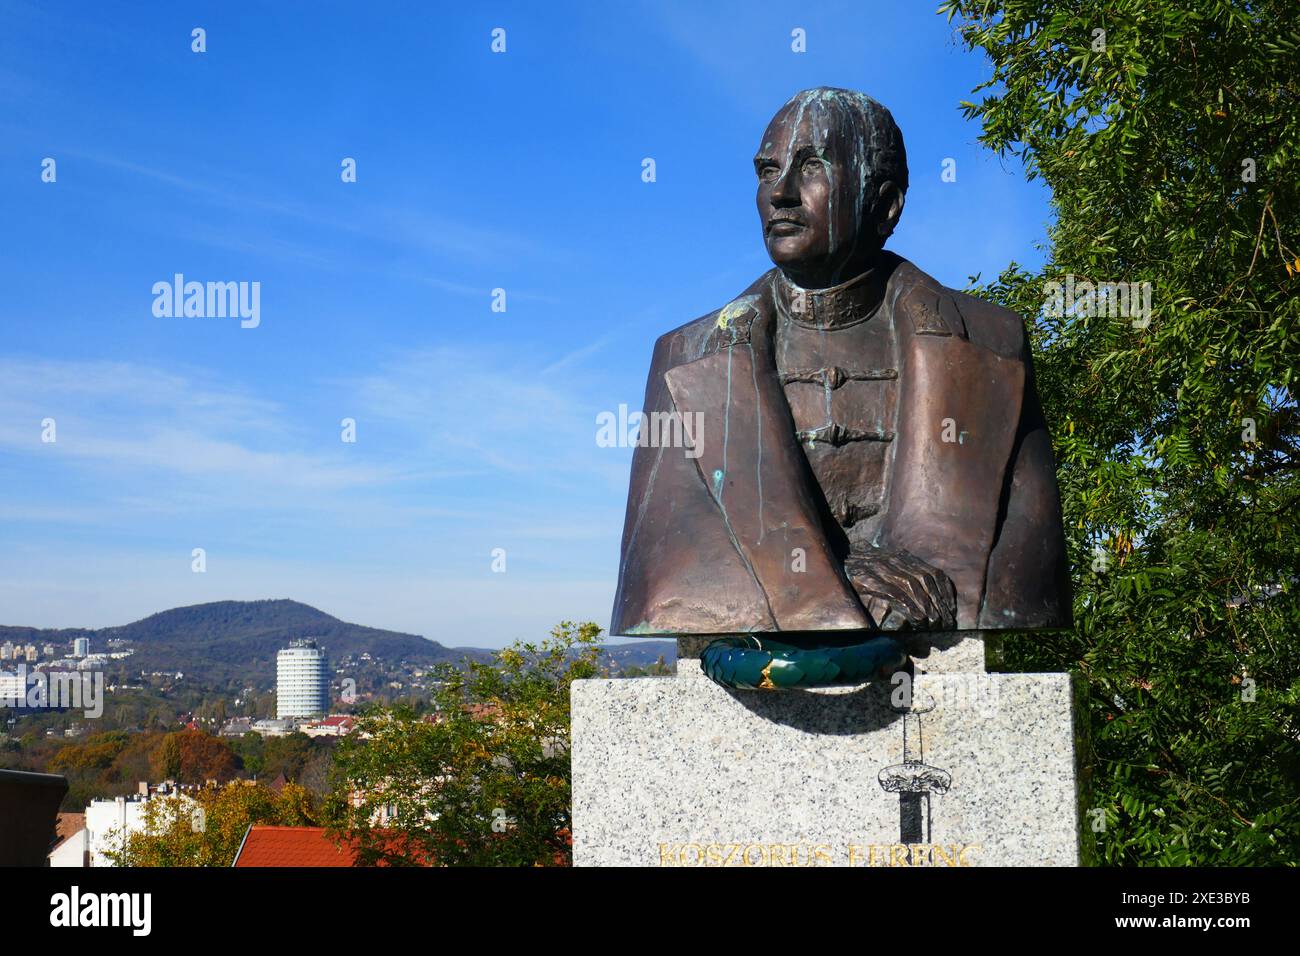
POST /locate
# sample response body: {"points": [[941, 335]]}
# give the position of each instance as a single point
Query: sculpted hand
{"points": [[899, 590]]}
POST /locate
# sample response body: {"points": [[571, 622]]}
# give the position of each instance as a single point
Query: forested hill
{"points": [[236, 641], [230, 639]]}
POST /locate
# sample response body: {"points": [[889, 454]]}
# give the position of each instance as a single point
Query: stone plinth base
{"points": [[677, 771]]}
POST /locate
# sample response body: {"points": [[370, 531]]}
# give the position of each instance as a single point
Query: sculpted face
{"points": [[824, 214]]}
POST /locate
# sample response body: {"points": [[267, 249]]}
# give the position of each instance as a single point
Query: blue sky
{"points": [[475, 429]]}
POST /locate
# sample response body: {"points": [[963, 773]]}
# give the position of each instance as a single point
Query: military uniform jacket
{"points": [[726, 536]]}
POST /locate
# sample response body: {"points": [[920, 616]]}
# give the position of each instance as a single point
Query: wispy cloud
{"points": [[577, 356], [125, 418], [448, 413], [497, 409], [419, 234]]}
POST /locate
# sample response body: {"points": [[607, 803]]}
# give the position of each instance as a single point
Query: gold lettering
{"points": [[818, 854]]}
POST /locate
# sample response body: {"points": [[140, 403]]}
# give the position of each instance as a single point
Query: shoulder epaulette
{"points": [[932, 310]]}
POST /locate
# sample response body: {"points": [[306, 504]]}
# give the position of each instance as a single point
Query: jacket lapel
{"points": [[759, 479], [959, 408]]}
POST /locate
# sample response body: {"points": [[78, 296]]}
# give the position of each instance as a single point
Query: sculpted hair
{"points": [[863, 126]]}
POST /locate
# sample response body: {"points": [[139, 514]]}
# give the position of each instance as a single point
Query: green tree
{"points": [[168, 757], [482, 781], [250, 748], [287, 755], [206, 827], [1168, 134]]}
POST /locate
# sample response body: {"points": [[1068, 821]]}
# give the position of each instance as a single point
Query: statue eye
{"points": [[812, 165], [768, 173]]}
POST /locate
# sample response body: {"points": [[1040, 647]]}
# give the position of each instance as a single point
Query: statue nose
{"points": [[786, 190]]}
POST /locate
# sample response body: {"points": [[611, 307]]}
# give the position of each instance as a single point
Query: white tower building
{"points": [[301, 681]]}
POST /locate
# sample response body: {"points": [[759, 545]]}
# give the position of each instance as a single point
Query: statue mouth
{"points": [[784, 227]]}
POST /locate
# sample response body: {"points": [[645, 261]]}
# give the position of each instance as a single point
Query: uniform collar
{"points": [[835, 307]]}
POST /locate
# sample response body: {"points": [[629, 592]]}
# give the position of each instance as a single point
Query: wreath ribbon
{"points": [[748, 663]]}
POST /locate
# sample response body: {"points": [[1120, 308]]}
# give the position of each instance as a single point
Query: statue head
{"points": [[832, 175]]}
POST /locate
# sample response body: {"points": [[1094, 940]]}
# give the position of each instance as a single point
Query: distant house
{"points": [[313, 847], [237, 727], [277, 727], [72, 845], [109, 823], [335, 726], [484, 712], [490, 712], [291, 846]]}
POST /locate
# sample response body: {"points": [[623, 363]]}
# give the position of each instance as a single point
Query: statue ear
{"points": [[891, 199]]}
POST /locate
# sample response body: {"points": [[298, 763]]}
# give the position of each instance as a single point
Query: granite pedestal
{"points": [[976, 769]]}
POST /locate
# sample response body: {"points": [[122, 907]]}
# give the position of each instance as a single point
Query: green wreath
{"points": [[752, 663]]}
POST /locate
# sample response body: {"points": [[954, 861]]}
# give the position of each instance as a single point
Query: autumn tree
{"points": [[205, 827], [97, 752], [484, 780], [191, 756]]}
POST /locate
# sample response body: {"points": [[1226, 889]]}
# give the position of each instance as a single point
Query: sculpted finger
{"points": [[899, 600], [908, 561], [894, 622], [938, 589], [943, 597], [877, 610], [950, 597], [919, 607], [884, 615]]}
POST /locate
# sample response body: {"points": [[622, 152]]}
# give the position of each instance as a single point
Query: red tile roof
{"points": [[292, 846], [483, 711], [67, 824], [311, 846]]}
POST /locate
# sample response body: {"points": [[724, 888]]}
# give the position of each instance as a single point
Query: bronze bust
{"points": [[871, 453]]}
